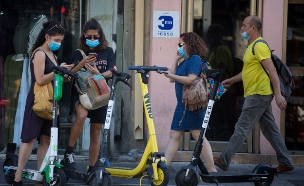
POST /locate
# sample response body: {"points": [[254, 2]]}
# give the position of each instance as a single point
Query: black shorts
{"points": [[98, 115]]}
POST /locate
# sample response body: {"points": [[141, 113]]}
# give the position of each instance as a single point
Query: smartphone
{"points": [[93, 54]]}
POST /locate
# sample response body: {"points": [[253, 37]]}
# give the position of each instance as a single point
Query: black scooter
{"points": [[99, 176], [262, 175]]}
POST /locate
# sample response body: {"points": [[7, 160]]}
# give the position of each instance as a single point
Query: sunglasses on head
{"points": [[57, 26], [90, 37], [181, 44]]}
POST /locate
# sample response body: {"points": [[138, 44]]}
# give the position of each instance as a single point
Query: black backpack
{"points": [[285, 76]]}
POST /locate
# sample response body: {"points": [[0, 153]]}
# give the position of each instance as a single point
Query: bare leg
{"points": [[95, 129], [172, 145], [76, 129], [206, 151], [42, 149], [24, 154]]}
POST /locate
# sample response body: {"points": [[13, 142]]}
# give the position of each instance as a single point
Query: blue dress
{"points": [[191, 120]]}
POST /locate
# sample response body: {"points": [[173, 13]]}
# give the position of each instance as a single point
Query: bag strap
{"points": [[82, 53], [257, 41], [261, 40]]}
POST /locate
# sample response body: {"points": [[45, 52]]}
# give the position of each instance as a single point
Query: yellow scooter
{"points": [[152, 163]]}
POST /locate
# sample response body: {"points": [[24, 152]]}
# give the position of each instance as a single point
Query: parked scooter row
{"points": [[152, 163]]}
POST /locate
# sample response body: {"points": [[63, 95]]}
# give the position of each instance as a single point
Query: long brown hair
{"points": [[195, 44], [92, 25]]}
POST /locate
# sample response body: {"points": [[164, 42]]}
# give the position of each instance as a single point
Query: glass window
{"points": [[294, 114], [20, 23]]}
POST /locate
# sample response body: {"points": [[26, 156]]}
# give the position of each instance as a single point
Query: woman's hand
{"points": [[92, 69], [69, 67], [168, 74], [89, 59]]}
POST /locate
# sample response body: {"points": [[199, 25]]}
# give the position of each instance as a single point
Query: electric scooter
{"points": [[50, 172], [152, 163], [262, 175], [99, 176]]}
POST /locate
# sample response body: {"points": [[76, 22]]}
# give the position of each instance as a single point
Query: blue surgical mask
{"points": [[91, 43], [246, 36], [54, 46], [181, 51]]}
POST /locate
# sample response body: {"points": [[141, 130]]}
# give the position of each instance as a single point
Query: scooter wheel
{"points": [[59, 178], [261, 169], [107, 181], [163, 177], [181, 180], [10, 177]]}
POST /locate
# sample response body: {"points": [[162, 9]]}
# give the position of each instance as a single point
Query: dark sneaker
{"points": [[69, 161], [90, 169]]}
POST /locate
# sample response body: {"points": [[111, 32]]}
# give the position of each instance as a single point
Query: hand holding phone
{"points": [[93, 54]]}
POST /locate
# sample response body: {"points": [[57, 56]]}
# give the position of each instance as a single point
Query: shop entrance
{"points": [[197, 16]]}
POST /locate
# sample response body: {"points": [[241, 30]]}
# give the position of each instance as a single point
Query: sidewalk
{"points": [[284, 179]]}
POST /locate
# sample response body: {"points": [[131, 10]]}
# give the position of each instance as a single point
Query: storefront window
{"points": [[294, 114], [20, 23], [230, 16]]}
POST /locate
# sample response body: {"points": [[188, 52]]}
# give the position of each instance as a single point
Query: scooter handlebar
{"points": [[214, 73], [62, 71], [143, 69], [121, 76]]}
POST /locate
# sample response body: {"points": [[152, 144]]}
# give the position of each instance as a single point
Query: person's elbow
{"points": [[40, 82]]}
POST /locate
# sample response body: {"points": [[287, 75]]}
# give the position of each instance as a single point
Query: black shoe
{"points": [[90, 170], [19, 183], [69, 161]]}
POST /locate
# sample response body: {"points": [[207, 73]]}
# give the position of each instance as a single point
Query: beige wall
{"points": [[162, 52], [272, 33]]}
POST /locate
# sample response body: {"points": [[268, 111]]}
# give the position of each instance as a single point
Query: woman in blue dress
{"points": [[185, 68]]}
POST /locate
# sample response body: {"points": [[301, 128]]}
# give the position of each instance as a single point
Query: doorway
{"points": [[197, 16]]}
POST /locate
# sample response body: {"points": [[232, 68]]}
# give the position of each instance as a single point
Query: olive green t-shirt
{"points": [[222, 54]]}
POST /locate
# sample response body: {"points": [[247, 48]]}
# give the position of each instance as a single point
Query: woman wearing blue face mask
{"points": [[92, 40], [42, 62], [185, 68]]}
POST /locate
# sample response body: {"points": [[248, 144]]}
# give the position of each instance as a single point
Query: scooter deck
{"points": [[120, 168], [26, 173], [234, 177], [77, 175]]}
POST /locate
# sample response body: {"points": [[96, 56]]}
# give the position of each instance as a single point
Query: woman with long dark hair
{"points": [[92, 40], [34, 127]]}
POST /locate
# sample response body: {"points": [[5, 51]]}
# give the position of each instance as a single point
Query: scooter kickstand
{"points": [[144, 175], [215, 181]]}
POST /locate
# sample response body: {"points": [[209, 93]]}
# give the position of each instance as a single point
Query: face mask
{"points": [[245, 35], [91, 43], [181, 51], [54, 46]]}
